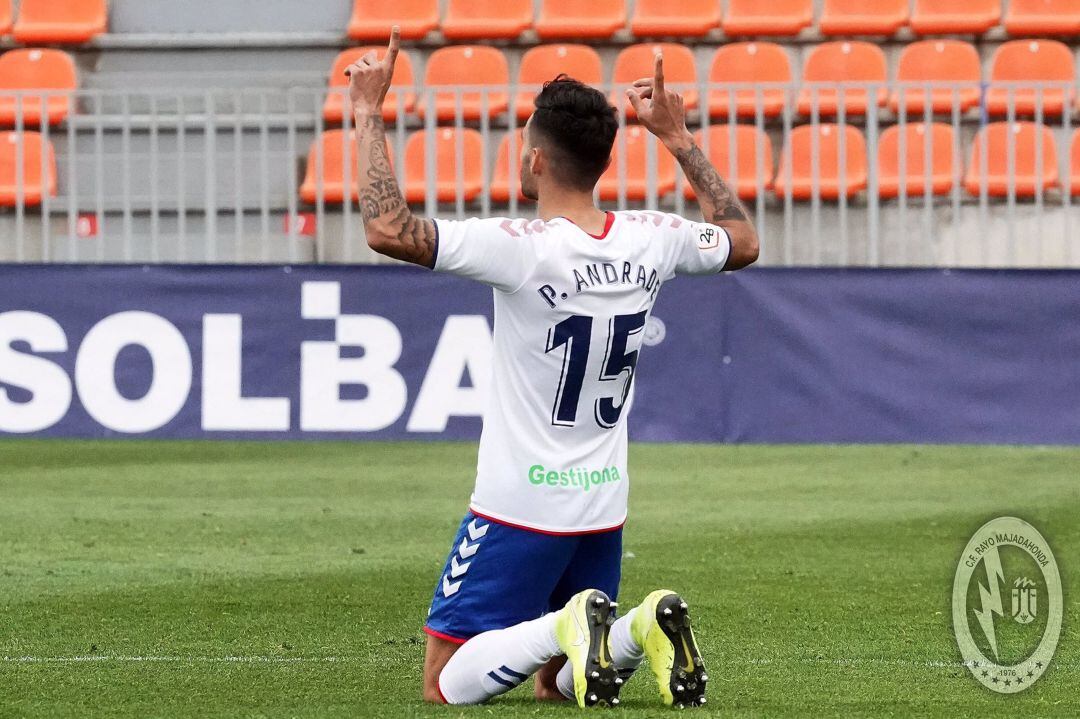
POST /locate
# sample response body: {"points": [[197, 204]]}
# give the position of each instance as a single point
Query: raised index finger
{"points": [[658, 75], [392, 48]]}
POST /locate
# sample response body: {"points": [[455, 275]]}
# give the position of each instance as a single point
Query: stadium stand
{"points": [[335, 150], [1043, 17], [542, 63], [779, 17], [634, 162], [448, 161], [762, 67], [664, 18], [1074, 163], [859, 17], [50, 74], [946, 17], [902, 160], [148, 134], [396, 102], [451, 68], [486, 19], [637, 61], [741, 167], [507, 166], [1031, 62], [952, 65], [576, 19], [372, 19], [34, 152], [826, 178], [831, 64], [46, 22], [1023, 145]]}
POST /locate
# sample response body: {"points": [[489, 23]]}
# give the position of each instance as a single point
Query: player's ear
{"points": [[536, 161]]}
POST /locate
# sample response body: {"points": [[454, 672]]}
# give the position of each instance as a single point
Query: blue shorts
{"points": [[497, 576]]}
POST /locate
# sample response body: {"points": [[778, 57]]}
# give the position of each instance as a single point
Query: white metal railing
{"points": [[213, 175]]}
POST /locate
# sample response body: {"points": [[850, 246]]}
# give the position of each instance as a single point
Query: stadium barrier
{"points": [[765, 355], [219, 175]]}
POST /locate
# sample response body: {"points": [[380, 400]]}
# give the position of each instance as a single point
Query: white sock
{"points": [[495, 662], [626, 655]]}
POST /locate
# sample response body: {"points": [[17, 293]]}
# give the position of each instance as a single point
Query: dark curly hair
{"points": [[576, 125]]}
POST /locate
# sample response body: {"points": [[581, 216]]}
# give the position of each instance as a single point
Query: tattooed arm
{"points": [[391, 228], [663, 113]]}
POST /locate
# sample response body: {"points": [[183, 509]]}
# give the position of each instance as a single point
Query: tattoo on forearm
{"points": [[719, 202], [381, 200]]}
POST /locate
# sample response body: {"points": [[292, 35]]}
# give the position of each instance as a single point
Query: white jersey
{"points": [[570, 310]]}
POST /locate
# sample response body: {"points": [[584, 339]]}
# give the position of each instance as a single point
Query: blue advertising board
{"points": [[377, 352]]}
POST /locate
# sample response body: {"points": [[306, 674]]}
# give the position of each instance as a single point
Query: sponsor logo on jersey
{"points": [[579, 477]]}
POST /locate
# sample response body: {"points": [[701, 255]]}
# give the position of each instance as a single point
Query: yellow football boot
{"points": [[661, 627], [582, 630]]}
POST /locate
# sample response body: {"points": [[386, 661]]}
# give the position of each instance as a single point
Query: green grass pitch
{"points": [[143, 579]]}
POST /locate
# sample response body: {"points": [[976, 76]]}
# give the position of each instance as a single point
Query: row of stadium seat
{"points": [[507, 19], [931, 61], [53, 21], [952, 62], [77, 21], [901, 156]]}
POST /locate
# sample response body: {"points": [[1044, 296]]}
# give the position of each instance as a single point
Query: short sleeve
{"points": [[700, 248], [494, 251]]}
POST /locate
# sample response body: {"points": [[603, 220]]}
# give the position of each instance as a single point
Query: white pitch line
{"points": [[102, 658], [257, 659]]}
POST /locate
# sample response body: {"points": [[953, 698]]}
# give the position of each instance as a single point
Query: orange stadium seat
{"points": [[798, 156], [59, 21], [1031, 62], [451, 69], [859, 17], [747, 141], [446, 164], [574, 18], [754, 63], [372, 19], [843, 61], [6, 14], [636, 161], [913, 179], [50, 71], [338, 150], [336, 100], [637, 61], [1043, 17], [1025, 159], [777, 17], [546, 62], [694, 18], [938, 61], [507, 167], [485, 19], [33, 184], [1074, 163], [944, 17]]}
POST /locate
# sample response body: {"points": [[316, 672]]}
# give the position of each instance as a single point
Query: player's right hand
{"points": [[660, 110], [369, 77]]}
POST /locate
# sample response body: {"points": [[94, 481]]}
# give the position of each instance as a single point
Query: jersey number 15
{"points": [[574, 335]]}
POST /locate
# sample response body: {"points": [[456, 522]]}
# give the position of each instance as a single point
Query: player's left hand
{"points": [[369, 77], [659, 109]]}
